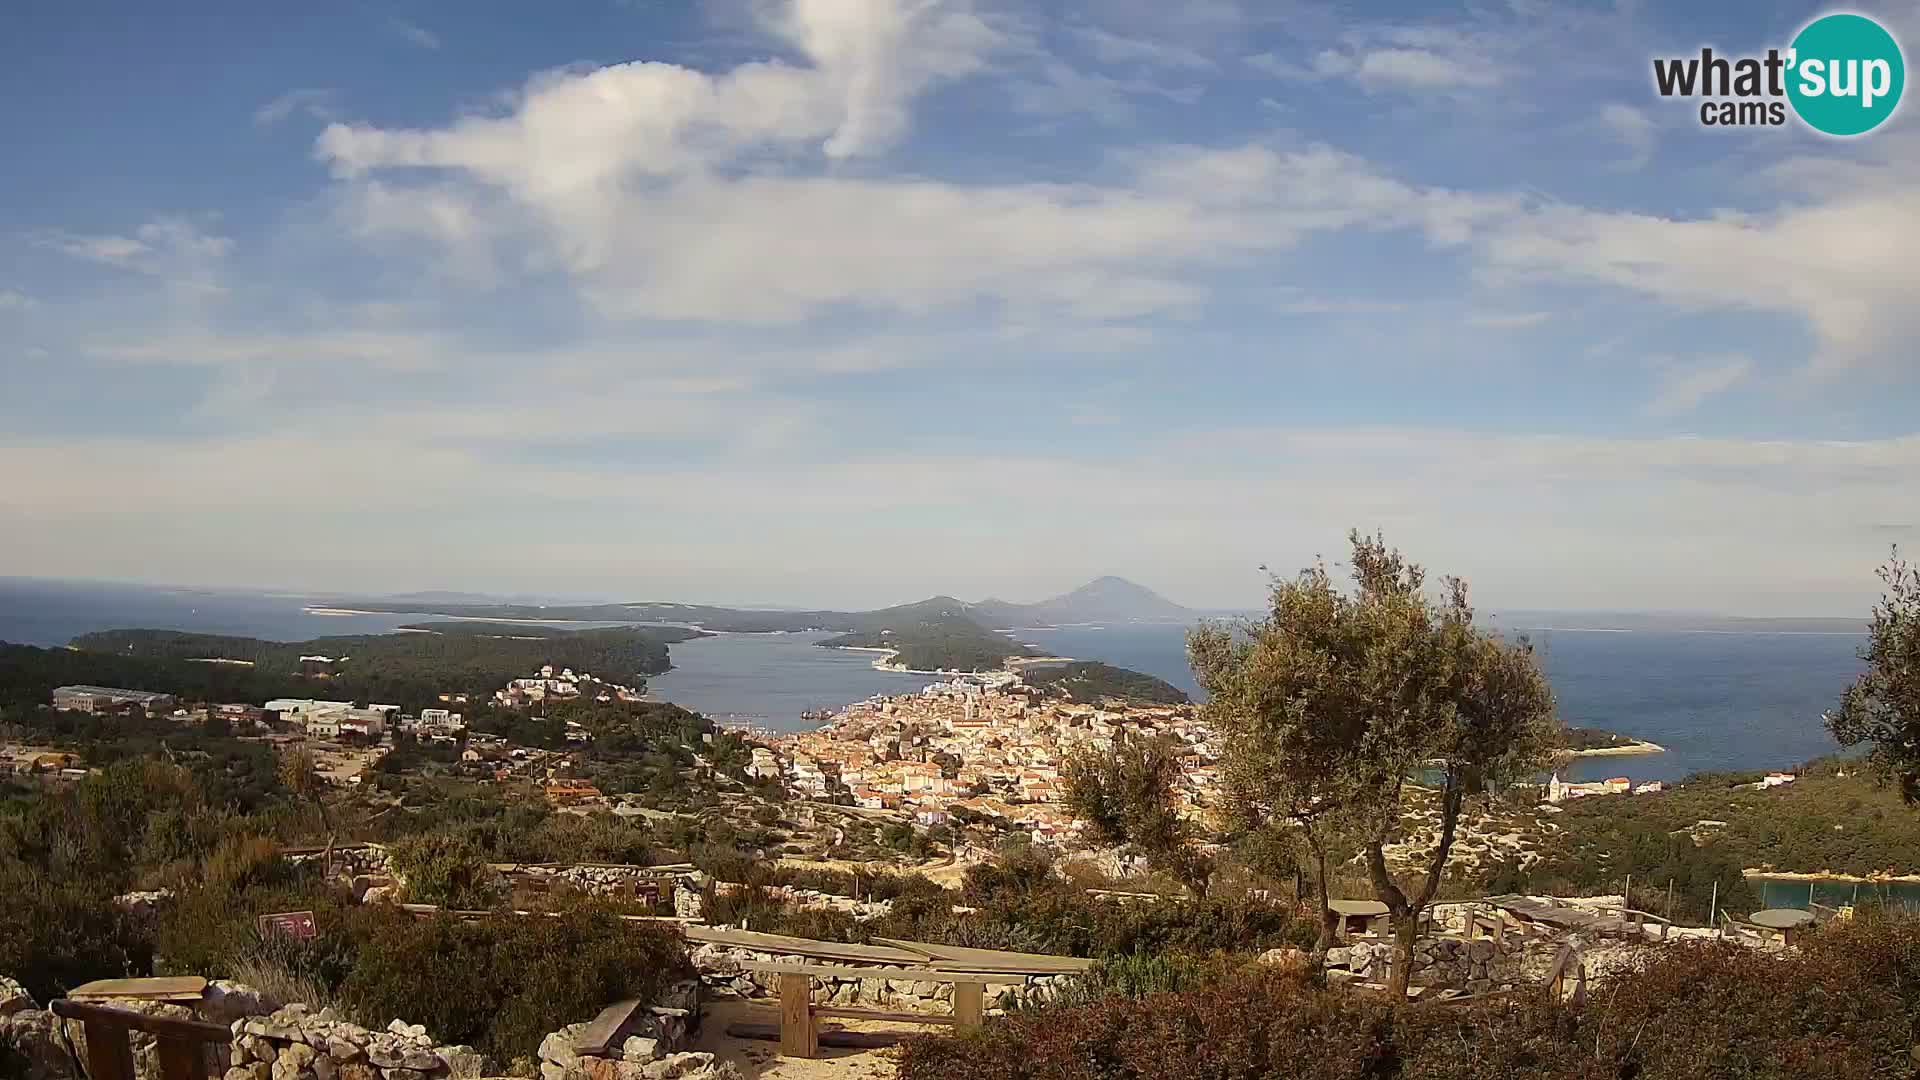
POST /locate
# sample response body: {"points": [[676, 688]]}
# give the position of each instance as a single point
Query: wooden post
{"points": [[1627, 900], [1669, 903], [182, 1059], [969, 1005], [109, 1053], [1713, 904], [798, 1035]]}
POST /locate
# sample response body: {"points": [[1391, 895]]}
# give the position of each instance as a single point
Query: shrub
{"points": [[502, 983], [1842, 1007], [55, 935], [447, 870]]}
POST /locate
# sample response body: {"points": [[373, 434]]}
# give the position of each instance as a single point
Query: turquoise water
{"points": [[1779, 893]]}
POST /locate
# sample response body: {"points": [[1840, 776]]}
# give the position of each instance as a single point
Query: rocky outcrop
{"points": [[651, 1044], [32, 1044], [296, 1043]]}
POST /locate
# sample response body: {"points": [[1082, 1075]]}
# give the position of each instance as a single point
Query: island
{"points": [[1599, 742]]}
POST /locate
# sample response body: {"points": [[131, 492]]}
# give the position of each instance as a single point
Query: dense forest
{"points": [[1094, 681], [410, 669]]}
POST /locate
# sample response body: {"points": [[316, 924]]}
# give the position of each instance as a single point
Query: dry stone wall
{"points": [[721, 973], [1451, 963], [296, 1043]]}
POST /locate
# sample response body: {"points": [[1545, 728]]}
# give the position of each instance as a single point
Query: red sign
{"points": [[297, 925]]}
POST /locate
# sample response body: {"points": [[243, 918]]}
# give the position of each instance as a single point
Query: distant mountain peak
{"points": [[1109, 598]]}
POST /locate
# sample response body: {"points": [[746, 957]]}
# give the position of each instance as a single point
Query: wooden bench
{"points": [[799, 1016], [182, 1044]]}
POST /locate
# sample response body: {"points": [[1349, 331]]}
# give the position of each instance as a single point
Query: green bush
{"points": [[503, 983], [55, 935], [450, 871]]}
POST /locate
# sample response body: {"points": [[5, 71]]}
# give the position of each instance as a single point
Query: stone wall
{"points": [[295, 1043], [720, 972], [651, 1046], [45, 1047], [1450, 963], [356, 860]]}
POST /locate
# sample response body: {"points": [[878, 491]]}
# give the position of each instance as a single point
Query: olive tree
{"points": [[1882, 707], [1124, 795], [1339, 707], [1284, 715]]}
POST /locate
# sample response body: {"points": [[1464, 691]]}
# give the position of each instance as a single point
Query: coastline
{"points": [[443, 615], [1638, 746], [1871, 879]]}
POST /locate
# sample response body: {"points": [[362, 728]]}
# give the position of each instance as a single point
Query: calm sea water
{"points": [[770, 679], [1715, 700]]}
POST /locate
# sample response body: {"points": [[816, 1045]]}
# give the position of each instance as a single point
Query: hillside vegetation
{"points": [[1841, 1007], [408, 669], [935, 639], [1094, 681]]}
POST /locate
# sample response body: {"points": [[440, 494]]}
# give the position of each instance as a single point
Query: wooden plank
{"points": [[837, 971], [109, 1054], [969, 1005], [877, 1014], [798, 1036], [823, 950], [88, 1012], [956, 958], [834, 1038], [182, 1059], [602, 1033], [170, 988]]}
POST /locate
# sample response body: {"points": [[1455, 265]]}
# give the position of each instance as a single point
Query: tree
{"points": [[1337, 702], [1286, 715], [1125, 795], [300, 774], [1882, 707]]}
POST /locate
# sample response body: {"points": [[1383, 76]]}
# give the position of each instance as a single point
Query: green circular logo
{"points": [[1846, 74]]}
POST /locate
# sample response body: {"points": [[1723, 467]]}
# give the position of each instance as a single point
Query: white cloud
{"points": [[1335, 306], [1635, 131], [1489, 320], [1791, 523], [1839, 260], [414, 34], [1420, 69], [11, 300], [317, 103], [1682, 389], [1115, 48]]}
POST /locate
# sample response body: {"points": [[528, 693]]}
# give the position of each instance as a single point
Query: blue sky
{"points": [[851, 301]]}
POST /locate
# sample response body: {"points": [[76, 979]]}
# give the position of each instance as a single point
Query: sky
{"points": [[850, 302]]}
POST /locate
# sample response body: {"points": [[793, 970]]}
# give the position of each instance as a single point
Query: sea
{"points": [[1716, 699]]}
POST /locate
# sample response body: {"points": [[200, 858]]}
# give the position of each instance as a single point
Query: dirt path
{"points": [[762, 1059]]}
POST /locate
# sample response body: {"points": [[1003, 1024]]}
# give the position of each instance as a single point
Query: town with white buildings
{"points": [[984, 747]]}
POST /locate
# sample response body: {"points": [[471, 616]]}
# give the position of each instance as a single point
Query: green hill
{"points": [[409, 669], [1093, 681]]}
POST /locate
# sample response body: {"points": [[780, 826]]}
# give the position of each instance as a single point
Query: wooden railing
{"points": [[1639, 919], [182, 1044]]}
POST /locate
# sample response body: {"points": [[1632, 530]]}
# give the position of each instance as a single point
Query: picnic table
{"points": [[1784, 920], [1357, 916]]}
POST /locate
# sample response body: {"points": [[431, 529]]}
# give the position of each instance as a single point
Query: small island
{"points": [[1599, 742]]}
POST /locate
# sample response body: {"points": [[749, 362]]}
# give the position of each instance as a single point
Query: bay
{"points": [[1716, 700]]}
